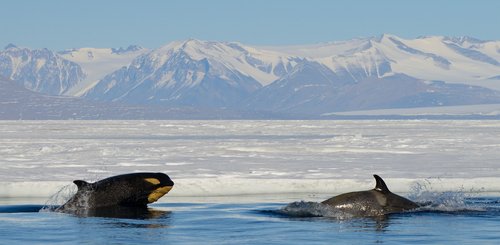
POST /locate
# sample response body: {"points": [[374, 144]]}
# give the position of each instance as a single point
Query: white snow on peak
{"points": [[253, 62], [322, 50], [455, 60], [97, 63], [439, 58]]}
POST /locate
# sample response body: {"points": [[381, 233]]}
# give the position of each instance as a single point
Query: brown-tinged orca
{"points": [[375, 202], [134, 190]]}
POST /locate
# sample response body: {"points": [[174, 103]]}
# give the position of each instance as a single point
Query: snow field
{"points": [[221, 158]]}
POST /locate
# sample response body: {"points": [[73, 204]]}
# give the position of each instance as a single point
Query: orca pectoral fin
{"points": [[81, 183], [380, 186]]}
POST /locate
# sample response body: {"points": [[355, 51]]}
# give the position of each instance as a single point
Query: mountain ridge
{"points": [[366, 73]]}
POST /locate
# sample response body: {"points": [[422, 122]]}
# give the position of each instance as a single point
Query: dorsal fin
{"points": [[380, 186], [81, 183]]}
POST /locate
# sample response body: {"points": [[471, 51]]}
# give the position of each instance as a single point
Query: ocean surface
{"points": [[253, 182], [255, 223]]}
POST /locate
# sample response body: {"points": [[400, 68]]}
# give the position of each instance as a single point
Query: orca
{"points": [[376, 202], [135, 190]]}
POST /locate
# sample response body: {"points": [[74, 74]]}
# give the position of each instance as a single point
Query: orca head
{"points": [[135, 189], [143, 188], [158, 184]]}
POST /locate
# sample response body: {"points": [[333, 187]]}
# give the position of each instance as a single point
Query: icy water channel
{"points": [[476, 222]]}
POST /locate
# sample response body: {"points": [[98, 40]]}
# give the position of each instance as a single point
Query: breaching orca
{"points": [[379, 201], [134, 190]]}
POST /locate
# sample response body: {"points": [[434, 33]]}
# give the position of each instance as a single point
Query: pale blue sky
{"points": [[62, 24]]}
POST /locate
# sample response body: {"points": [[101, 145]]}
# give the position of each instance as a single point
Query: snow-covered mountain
{"points": [[303, 90], [461, 60], [390, 72], [39, 70], [99, 62], [194, 73], [18, 102], [359, 74]]}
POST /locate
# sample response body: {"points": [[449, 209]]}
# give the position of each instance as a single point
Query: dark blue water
{"points": [[478, 222]]}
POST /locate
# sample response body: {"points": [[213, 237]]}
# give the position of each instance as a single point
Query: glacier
{"points": [[98, 62]]}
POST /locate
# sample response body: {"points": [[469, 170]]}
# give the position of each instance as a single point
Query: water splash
{"points": [[59, 198], [424, 194]]}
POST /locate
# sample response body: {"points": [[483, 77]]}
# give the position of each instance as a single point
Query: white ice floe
{"points": [[217, 158]]}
